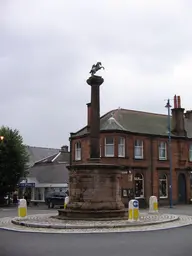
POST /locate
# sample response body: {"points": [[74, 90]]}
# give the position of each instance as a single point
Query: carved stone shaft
{"points": [[95, 82]]}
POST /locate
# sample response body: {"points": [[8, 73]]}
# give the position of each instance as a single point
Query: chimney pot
{"points": [[179, 101], [175, 101]]}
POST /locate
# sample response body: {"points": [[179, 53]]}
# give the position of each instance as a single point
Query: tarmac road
{"points": [[173, 242]]}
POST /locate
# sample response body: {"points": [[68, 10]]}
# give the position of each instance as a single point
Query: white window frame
{"points": [[109, 145], [162, 147], [143, 188], [138, 147], [190, 153], [166, 180], [121, 147], [78, 151]]}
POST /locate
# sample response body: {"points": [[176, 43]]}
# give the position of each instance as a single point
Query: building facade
{"points": [[49, 174], [138, 143]]}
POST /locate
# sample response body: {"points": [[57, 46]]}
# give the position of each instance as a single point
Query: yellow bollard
{"points": [[66, 202], [22, 208], [153, 204], [133, 210]]}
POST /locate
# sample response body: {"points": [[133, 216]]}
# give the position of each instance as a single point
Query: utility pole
{"points": [[168, 106]]}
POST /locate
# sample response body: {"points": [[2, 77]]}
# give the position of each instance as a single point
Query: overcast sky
{"points": [[47, 48]]}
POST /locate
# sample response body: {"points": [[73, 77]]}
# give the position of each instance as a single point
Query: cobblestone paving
{"points": [[46, 220], [5, 223]]}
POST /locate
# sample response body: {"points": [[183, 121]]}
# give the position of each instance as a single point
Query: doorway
{"points": [[182, 189]]}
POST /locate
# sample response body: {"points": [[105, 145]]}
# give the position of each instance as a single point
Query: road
{"points": [[174, 242]]}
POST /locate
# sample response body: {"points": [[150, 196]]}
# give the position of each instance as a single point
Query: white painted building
{"points": [[47, 175]]}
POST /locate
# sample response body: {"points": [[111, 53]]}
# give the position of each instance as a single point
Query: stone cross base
{"points": [[94, 191]]}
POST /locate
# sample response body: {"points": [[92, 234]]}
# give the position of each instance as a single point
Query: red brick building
{"points": [[138, 143]]}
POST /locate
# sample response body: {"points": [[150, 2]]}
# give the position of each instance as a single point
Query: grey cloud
{"points": [[47, 49]]}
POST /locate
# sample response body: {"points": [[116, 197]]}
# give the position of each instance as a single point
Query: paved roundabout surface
{"points": [[46, 223]]}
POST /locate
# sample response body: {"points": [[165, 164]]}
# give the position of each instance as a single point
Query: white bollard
{"points": [[22, 208], [66, 202], [153, 204], [133, 210]]}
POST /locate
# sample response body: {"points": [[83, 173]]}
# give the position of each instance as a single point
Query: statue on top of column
{"points": [[95, 68]]}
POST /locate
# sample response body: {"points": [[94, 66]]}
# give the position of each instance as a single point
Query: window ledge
{"points": [[163, 159], [163, 197], [139, 159], [141, 197], [114, 157]]}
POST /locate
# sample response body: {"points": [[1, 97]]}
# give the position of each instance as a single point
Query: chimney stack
{"points": [[88, 115], [188, 114], [64, 148], [178, 125]]}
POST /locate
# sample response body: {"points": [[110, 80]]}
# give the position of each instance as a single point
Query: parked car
{"points": [[56, 199]]}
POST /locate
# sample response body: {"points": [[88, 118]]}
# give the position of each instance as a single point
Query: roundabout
{"points": [[48, 223]]}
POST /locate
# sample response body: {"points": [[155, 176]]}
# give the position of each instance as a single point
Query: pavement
{"points": [[172, 242]]}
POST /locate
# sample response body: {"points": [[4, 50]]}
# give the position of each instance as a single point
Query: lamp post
{"points": [[168, 106]]}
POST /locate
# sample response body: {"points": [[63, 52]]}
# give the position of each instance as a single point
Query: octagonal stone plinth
{"points": [[95, 192]]}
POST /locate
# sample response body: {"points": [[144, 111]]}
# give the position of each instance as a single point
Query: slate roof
{"points": [[38, 153], [136, 122], [61, 157], [49, 173]]}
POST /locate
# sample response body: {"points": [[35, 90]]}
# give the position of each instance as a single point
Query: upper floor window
{"points": [[121, 147], [78, 151], [190, 153], [162, 151], [109, 147], [138, 149]]}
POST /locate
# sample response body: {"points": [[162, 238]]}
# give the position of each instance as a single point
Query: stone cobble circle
{"points": [[182, 220]]}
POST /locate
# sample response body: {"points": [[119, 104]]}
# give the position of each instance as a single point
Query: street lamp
{"points": [[168, 106], [1, 138]]}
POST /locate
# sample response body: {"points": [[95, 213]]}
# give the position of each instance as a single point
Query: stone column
{"points": [[94, 188], [95, 82]]}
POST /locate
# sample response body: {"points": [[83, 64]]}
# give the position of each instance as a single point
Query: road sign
{"points": [[28, 185], [135, 204]]}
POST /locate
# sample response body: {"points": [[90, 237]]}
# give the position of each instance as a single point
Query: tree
{"points": [[13, 160]]}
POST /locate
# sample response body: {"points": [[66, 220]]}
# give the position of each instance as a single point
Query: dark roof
{"points": [[49, 173], [61, 157], [38, 153], [136, 122]]}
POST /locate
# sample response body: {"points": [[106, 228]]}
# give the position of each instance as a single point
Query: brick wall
{"points": [[150, 166]]}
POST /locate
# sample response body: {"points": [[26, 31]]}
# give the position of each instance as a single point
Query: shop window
{"points": [[78, 151], [191, 184], [121, 147], [39, 194], [139, 185], [163, 186]]}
